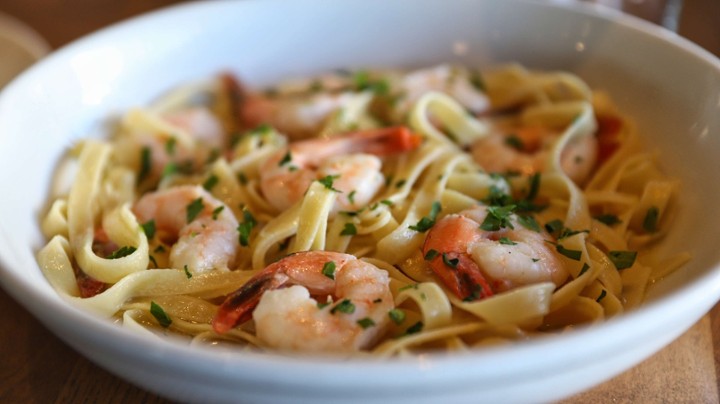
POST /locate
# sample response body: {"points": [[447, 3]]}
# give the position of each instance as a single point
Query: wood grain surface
{"points": [[36, 367]]}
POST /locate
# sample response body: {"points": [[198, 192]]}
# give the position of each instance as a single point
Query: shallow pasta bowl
{"points": [[668, 85]]}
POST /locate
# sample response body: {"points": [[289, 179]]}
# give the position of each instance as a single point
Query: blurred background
{"points": [[61, 21]]}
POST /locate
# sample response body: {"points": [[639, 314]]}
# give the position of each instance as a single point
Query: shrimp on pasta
{"points": [[368, 212]]}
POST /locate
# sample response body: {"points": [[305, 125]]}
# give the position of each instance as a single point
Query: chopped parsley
{"points": [[245, 228], [400, 183], [622, 259], [584, 268], [328, 180], [160, 315], [572, 254], [345, 306], [188, 274], [216, 212], [362, 82], [529, 223], [149, 228], [477, 81], [651, 219], [366, 322], [607, 219], [329, 269], [349, 230], [170, 146], [242, 178], [260, 130], [558, 230], [194, 208], [415, 328], [450, 262], [145, 164], [210, 183], [397, 316], [121, 252], [602, 296], [515, 142], [506, 241], [152, 259], [351, 196], [431, 254], [287, 158], [498, 217], [534, 186], [428, 221]]}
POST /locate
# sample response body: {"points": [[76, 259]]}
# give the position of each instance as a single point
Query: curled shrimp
{"points": [[350, 159], [454, 81], [201, 229], [475, 263], [525, 150], [290, 319]]}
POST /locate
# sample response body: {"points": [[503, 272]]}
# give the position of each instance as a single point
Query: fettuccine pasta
{"points": [[367, 212]]}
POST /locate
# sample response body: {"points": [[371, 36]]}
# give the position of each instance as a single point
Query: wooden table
{"points": [[35, 366]]}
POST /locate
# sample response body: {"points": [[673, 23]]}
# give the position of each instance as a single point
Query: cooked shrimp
{"points": [[525, 150], [205, 129], [475, 263], [201, 229], [351, 159], [454, 81], [290, 319]]}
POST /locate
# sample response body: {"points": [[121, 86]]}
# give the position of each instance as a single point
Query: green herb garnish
{"points": [[170, 146], [506, 241], [366, 322], [287, 158], [121, 252], [329, 269], [651, 219], [515, 142], [160, 315], [415, 328], [622, 259], [428, 221], [345, 306], [188, 274], [397, 316], [149, 228], [245, 228], [145, 164], [572, 254], [194, 208], [431, 254], [529, 223], [498, 217], [349, 230], [609, 220], [216, 212], [210, 183], [602, 296], [328, 180], [450, 262]]}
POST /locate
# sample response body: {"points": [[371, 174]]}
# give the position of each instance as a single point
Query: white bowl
{"points": [[670, 86]]}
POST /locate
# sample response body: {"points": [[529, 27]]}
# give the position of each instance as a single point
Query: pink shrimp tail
{"points": [[457, 270], [386, 141], [239, 305]]}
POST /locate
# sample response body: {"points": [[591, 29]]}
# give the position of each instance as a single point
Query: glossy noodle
{"points": [[369, 212]]}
